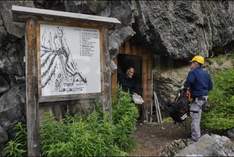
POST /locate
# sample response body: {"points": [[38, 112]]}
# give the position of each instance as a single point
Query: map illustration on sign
{"points": [[69, 60]]}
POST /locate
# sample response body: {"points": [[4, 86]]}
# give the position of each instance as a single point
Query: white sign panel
{"points": [[69, 60]]}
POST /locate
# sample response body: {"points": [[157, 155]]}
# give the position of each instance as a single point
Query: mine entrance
{"points": [[124, 62], [141, 57]]}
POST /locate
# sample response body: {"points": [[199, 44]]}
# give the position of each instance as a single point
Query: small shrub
{"points": [[125, 116], [92, 135], [220, 116], [80, 136], [18, 145], [52, 134]]}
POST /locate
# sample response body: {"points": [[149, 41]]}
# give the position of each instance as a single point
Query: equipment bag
{"points": [[179, 110]]}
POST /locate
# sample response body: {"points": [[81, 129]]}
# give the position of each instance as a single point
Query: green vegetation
{"points": [[77, 136], [92, 135], [220, 115], [17, 146], [221, 62], [125, 116]]}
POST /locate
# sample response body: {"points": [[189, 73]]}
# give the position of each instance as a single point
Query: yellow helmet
{"points": [[198, 59]]}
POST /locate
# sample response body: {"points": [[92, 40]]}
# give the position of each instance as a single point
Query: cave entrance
{"points": [[141, 58], [124, 62]]}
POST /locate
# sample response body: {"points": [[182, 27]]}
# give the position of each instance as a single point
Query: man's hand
{"points": [[188, 94]]}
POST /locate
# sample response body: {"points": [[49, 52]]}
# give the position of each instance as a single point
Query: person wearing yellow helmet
{"points": [[199, 59], [199, 83]]}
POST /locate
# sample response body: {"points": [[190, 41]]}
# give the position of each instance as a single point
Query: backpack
{"points": [[179, 109]]}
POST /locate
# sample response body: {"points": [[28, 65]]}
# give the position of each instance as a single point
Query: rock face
{"points": [[3, 137], [12, 67], [209, 145], [168, 81], [174, 147], [182, 28], [230, 133], [178, 29], [12, 106], [3, 85], [11, 111], [15, 29]]}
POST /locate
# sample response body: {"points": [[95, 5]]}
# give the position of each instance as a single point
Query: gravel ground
{"points": [[152, 138]]}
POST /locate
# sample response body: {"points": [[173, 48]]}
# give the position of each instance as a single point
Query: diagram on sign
{"points": [[69, 60]]}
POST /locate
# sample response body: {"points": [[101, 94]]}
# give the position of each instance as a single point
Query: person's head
{"points": [[130, 72], [197, 61]]}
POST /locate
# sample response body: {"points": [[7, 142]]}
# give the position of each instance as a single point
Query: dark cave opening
{"points": [[227, 49]]}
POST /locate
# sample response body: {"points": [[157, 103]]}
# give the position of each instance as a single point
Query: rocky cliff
{"points": [[208, 145], [177, 29]]}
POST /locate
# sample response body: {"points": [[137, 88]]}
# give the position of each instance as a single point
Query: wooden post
{"points": [[107, 83], [32, 90]]}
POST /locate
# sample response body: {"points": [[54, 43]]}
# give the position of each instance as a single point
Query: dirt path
{"points": [[152, 138]]}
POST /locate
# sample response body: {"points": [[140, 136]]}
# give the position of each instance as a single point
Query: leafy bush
{"points": [[92, 135], [124, 119], [77, 136], [220, 116], [18, 145]]}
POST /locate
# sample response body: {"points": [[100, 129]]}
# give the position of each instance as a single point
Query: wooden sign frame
{"points": [[33, 17]]}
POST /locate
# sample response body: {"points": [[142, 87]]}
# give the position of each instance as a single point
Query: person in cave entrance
{"points": [[129, 84], [127, 80]]}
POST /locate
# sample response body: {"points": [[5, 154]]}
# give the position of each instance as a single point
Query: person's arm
{"points": [[189, 80], [135, 87]]}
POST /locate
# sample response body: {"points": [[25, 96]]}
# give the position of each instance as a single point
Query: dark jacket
{"points": [[199, 81], [127, 84]]}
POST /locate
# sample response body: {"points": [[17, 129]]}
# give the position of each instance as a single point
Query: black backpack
{"points": [[179, 110]]}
